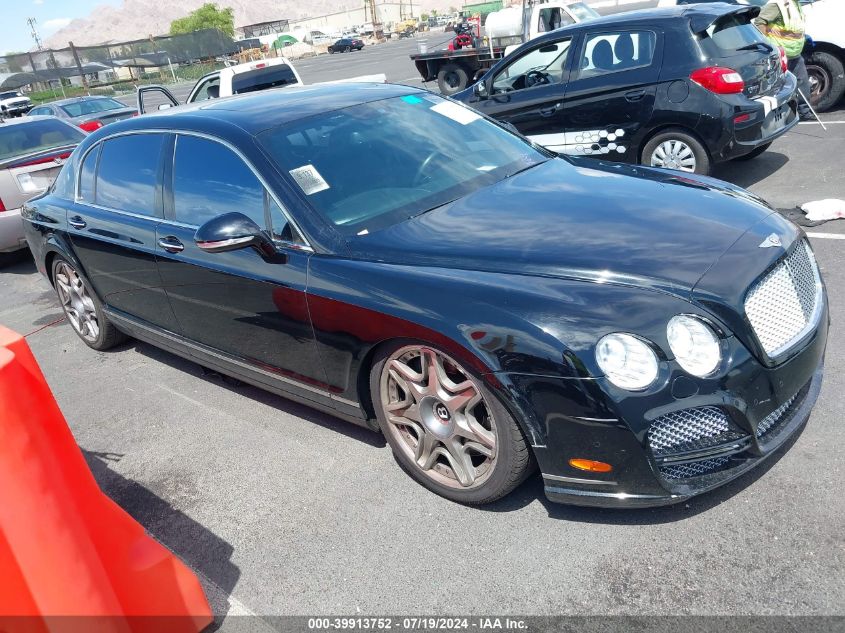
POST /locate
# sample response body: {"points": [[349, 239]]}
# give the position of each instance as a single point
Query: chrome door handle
{"points": [[634, 95], [77, 222], [550, 111], [171, 244]]}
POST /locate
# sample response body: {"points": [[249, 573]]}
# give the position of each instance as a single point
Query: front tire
{"points": [[676, 149], [827, 80], [445, 428], [83, 309]]}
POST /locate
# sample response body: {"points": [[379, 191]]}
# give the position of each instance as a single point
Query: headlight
{"points": [[694, 344], [626, 361]]}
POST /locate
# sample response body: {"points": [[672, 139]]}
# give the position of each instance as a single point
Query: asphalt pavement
{"points": [[284, 510]]}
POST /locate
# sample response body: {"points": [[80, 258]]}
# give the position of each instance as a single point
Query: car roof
{"points": [[698, 14], [261, 110]]}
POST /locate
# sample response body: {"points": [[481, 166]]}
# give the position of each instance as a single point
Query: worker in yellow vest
{"points": [[782, 21]]}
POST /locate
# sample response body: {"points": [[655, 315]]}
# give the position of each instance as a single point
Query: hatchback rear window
{"points": [[263, 78], [729, 34], [19, 139]]}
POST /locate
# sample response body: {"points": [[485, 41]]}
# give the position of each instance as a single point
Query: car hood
{"points": [[606, 222], [15, 100]]}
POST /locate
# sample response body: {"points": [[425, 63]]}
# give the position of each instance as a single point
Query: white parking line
{"points": [[825, 122], [827, 236]]}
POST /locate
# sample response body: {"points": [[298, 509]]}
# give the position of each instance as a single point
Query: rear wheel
{"points": [[83, 309], [754, 153], [827, 80], [348, 49], [676, 149], [446, 429], [452, 78]]}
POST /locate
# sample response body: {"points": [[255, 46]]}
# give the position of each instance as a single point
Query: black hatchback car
{"points": [[681, 88], [641, 335]]}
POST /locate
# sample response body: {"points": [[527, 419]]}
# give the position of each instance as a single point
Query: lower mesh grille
{"points": [[780, 414], [694, 469], [690, 429]]}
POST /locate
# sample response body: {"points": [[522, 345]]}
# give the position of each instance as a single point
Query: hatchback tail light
{"points": [[90, 126], [722, 81], [784, 62], [2, 206]]}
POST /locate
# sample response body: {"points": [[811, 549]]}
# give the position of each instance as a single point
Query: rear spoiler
{"points": [[53, 154], [700, 20]]}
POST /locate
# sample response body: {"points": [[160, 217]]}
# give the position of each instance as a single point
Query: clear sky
{"points": [[51, 15]]}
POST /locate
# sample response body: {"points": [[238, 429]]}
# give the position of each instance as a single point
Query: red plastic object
{"points": [[66, 549]]}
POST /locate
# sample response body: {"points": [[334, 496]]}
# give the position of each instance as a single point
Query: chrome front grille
{"points": [[688, 429], [694, 469], [783, 304]]}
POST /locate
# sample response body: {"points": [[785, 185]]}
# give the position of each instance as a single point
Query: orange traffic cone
{"points": [[65, 548]]}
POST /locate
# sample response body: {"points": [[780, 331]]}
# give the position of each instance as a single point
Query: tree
{"points": [[208, 16], [424, 17]]}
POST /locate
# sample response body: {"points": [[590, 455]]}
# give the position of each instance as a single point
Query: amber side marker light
{"points": [[590, 464]]}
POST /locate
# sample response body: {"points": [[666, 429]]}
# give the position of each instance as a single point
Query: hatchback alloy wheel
{"points": [[439, 417], [674, 154], [77, 302]]}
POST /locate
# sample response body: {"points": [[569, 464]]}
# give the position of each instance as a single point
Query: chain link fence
{"points": [[115, 68]]}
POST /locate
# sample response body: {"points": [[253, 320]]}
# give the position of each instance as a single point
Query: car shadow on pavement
{"points": [[747, 173], [532, 490], [204, 552], [259, 395], [17, 263]]}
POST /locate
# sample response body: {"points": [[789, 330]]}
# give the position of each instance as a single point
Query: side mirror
{"points": [[164, 106], [231, 232], [479, 89]]}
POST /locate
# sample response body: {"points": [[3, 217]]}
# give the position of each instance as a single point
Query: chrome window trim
{"points": [[306, 247]]}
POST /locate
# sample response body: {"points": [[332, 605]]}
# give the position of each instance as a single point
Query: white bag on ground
{"points": [[822, 210]]}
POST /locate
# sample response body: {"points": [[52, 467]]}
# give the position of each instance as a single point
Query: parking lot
{"points": [[282, 510]]}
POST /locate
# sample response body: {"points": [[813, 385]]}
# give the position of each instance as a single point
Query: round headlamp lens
{"points": [[694, 344], [627, 361]]}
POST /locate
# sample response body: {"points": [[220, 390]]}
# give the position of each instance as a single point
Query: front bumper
{"points": [[11, 231], [749, 393]]}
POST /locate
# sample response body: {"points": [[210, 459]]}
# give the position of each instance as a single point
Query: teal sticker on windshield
{"points": [[411, 99]]}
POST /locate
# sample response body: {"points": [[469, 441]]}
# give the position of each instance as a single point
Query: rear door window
{"points": [[128, 173], [616, 51], [263, 78]]}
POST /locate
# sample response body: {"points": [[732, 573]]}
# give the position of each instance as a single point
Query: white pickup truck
{"points": [[13, 103], [826, 58], [274, 72]]}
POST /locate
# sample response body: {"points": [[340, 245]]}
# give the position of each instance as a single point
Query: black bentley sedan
{"points": [[681, 88], [641, 335]]}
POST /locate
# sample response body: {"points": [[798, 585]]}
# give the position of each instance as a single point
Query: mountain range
{"points": [[137, 19]]}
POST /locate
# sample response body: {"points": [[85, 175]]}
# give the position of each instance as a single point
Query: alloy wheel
{"points": [[674, 154], [77, 302], [439, 417]]}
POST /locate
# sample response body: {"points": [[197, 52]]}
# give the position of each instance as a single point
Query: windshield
{"points": [[582, 11], [20, 139], [92, 106], [372, 165], [9, 95]]}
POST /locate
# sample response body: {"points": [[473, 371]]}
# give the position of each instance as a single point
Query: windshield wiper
{"points": [[757, 45]]}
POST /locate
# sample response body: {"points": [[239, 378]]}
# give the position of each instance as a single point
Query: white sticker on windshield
{"points": [[455, 112], [309, 179]]}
